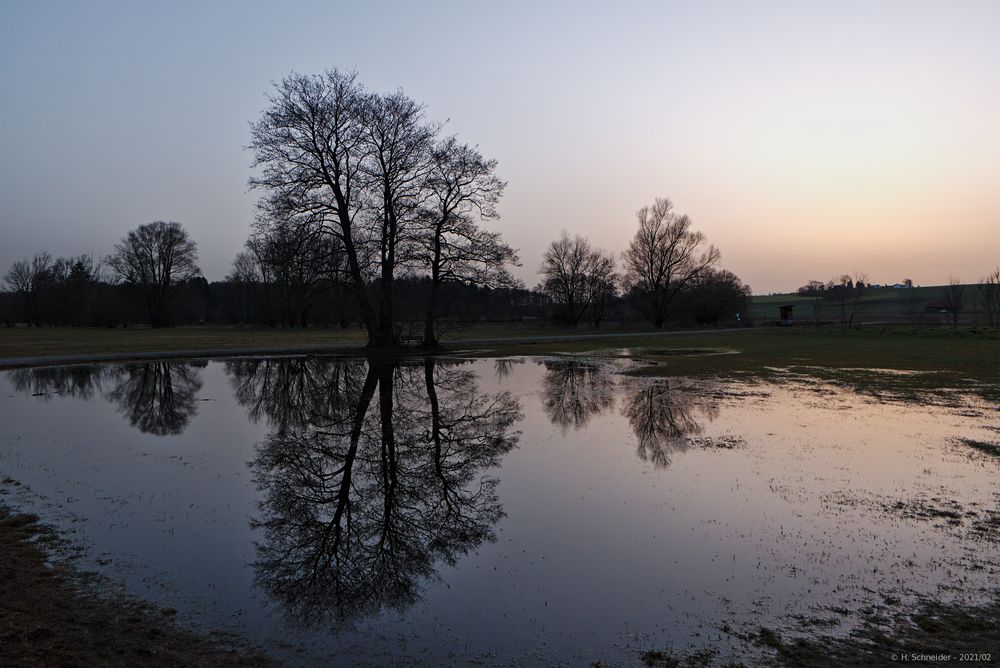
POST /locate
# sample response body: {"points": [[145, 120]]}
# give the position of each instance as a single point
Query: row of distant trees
{"points": [[844, 297], [370, 214]]}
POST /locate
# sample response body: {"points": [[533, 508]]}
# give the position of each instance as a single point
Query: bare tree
{"points": [[846, 295], [663, 258], [289, 264], [815, 291], [574, 274], [155, 257], [463, 189], [989, 295], [954, 297], [26, 278]]}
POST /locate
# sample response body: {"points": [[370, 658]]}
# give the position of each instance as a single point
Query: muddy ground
{"points": [[51, 616]]}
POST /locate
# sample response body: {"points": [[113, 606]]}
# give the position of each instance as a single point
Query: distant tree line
{"points": [[844, 298]]}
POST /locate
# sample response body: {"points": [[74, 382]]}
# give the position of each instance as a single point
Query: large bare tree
{"points": [[368, 169], [312, 149], [664, 257], [155, 257], [575, 274]]}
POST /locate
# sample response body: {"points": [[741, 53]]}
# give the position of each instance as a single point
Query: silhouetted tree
{"points": [[664, 257], [463, 189], [156, 257], [716, 295], [989, 296], [816, 292], [954, 300], [846, 297], [26, 279], [575, 274]]}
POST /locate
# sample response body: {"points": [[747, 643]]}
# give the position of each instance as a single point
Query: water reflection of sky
{"points": [[530, 510]]}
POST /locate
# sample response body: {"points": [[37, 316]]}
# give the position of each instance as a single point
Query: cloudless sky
{"points": [[805, 139]]}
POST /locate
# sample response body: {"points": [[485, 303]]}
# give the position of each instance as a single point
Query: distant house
{"points": [[785, 314]]}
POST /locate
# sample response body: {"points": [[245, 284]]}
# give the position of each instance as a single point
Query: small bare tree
{"points": [[954, 296], [663, 258], [155, 257], [26, 279], [989, 296], [847, 295]]}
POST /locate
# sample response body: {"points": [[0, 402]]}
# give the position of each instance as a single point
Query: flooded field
{"points": [[529, 511]]}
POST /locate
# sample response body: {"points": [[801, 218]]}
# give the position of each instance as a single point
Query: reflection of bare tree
{"points": [[662, 416], [663, 419], [574, 390], [365, 497], [82, 382], [157, 397], [289, 391], [502, 367]]}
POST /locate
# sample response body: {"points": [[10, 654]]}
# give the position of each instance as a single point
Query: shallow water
{"points": [[523, 512]]}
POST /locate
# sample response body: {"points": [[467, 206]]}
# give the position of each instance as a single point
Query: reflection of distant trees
{"points": [[663, 417], [365, 494], [503, 366], [158, 397], [575, 390], [83, 382]]}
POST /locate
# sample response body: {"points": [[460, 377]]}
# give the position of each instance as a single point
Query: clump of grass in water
{"points": [[991, 449], [656, 658]]}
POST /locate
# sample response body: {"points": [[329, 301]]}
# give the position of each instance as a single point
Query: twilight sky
{"points": [[804, 139]]}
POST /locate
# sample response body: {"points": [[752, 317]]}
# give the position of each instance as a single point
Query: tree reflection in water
{"points": [[663, 419], [662, 416], [573, 391], [373, 474], [157, 397]]}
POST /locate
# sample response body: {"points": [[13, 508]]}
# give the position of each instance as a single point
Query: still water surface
{"points": [[531, 511]]}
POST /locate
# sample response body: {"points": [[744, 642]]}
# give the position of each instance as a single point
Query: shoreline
{"points": [[340, 351]]}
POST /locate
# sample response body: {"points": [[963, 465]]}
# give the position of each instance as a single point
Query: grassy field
{"points": [[966, 352], [880, 304], [28, 342]]}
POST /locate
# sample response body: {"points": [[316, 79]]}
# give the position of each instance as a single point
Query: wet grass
{"points": [[951, 353], [887, 635], [923, 634], [986, 447], [50, 617]]}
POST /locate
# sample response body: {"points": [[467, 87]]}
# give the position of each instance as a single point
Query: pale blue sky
{"points": [[805, 139]]}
